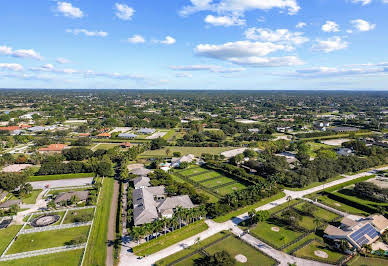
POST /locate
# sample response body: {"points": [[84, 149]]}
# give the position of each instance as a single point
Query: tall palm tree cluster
{"points": [[181, 217]]}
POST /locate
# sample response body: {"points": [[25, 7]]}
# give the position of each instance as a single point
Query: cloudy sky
{"points": [[194, 44]]}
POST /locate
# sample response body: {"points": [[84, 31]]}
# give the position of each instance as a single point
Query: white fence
{"points": [[54, 227]]}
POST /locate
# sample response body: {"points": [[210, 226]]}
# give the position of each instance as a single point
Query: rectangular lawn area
{"points": [[6, 235], [216, 182], [204, 176], [48, 239], [71, 216], [309, 252], [229, 189], [264, 231], [67, 258]]}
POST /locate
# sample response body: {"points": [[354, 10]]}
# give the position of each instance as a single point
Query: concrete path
{"points": [[74, 182], [39, 205], [128, 258]]}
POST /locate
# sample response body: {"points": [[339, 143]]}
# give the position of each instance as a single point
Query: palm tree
{"points": [[317, 222], [289, 198], [136, 232], [164, 221], [168, 152], [179, 213]]}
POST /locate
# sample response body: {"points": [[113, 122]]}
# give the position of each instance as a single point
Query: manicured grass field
{"points": [[300, 242], [61, 214], [191, 249], [106, 146], [72, 215], [245, 209], [308, 252], [204, 176], [320, 212], [234, 247], [6, 235], [229, 189], [30, 199], [169, 239], [192, 170], [341, 206], [216, 182], [366, 261], [96, 249], [348, 194], [277, 239], [197, 151], [47, 239], [67, 258], [57, 177], [169, 134]]}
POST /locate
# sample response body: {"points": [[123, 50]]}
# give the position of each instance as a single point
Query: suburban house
{"points": [[84, 134], [41, 128], [141, 182], [125, 145], [152, 203], [81, 196], [358, 233], [175, 162], [53, 148], [146, 131], [344, 129], [141, 171], [8, 204], [103, 135], [127, 135]]}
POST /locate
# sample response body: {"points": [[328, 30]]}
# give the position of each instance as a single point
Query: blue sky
{"points": [[197, 44]]}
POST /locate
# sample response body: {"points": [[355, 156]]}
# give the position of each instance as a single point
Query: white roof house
{"points": [[146, 130], [141, 182], [175, 162]]}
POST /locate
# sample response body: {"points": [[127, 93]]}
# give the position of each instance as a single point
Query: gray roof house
{"points": [[141, 171], [146, 130], [151, 203], [141, 182], [8, 204], [127, 135], [65, 196], [167, 206], [186, 158]]}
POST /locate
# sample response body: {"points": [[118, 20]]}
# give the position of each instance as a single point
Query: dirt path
{"points": [[112, 224]]}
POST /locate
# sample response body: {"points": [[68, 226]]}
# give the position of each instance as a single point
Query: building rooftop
{"points": [[53, 147], [65, 196], [10, 203]]}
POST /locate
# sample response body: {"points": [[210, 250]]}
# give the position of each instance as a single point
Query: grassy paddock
{"points": [[362, 261], [71, 216], [96, 250], [308, 252], [57, 177], [48, 239], [341, 206], [6, 235], [67, 258], [245, 209], [169, 239]]}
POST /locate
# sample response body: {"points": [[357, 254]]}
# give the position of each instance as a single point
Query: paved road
{"points": [[128, 258], [62, 183], [112, 224], [40, 204]]}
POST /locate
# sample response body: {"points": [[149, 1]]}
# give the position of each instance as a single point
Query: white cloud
{"points": [[239, 7], [279, 35], [123, 11], [211, 68], [301, 25], [362, 25], [136, 39], [326, 72], [51, 68], [225, 21], [23, 53], [330, 26], [87, 32], [68, 10], [61, 60], [11, 66], [184, 75], [247, 53], [363, 2], [330, 45], [168, 40]]}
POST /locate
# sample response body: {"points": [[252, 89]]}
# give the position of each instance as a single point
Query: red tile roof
{"points": [[53, 147]]}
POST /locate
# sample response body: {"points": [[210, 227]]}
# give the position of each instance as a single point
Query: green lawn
{"points": [[96, 249], [229, 189], [300, 242], [57, 177], [191, 249], [67, 258], [31, 199], [197, 151], [73, 215], [367, 261], [308, 252], [245, 209], [315, 184], [6, 235], [48, 239], [106, 146], [234, 247], [192, 170], [277, 239], [205, 176], [216, 182], [61, 214], [169, 239], [169, 134], [348, 194], [341, 206], [319, 212]]}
